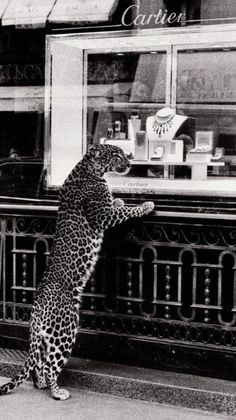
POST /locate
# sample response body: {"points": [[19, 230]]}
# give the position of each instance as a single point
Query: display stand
{"points": [[198, 169]]}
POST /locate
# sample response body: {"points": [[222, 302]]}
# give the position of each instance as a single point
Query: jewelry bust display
{"points": [[164, 124], [163, 120]]}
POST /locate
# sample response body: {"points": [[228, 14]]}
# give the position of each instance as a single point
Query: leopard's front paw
{"points": [[118, 202], [148, 206]]}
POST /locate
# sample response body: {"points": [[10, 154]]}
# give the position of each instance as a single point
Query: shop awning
{"points": [[79, 11], [3, 6], [26, 13]]}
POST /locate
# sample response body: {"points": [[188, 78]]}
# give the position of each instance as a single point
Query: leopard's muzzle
{"points": [[123, 168]]}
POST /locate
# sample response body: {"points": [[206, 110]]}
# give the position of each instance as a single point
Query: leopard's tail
{"points": [[27, 369], [18, 379]]}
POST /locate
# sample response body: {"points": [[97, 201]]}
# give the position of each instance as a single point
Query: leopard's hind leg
{"points": [[38, 375], [53, 367], [58, 352], [39, 378]]}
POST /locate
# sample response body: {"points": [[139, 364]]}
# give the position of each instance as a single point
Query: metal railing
{"points": [[162, 280], [25, 244]]}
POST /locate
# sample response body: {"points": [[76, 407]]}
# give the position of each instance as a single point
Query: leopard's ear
{"points": [[97, 154], [95, 151]]}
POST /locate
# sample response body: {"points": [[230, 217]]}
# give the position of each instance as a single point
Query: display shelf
{"points": [[199, 169], [130, 105], [169, 163]]}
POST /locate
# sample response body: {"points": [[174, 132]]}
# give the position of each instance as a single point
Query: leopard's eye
{"points": [[117, 157]]}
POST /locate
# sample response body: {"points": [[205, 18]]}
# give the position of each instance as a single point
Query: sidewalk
{"points": [[28, 403], [142, 388]]}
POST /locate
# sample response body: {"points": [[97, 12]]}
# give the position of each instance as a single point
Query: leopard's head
{"points": [[108, 158]]}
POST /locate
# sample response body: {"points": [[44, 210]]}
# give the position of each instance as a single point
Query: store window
{"points": [[123, 88], [22, 63], [218, 12], [210, 12], [168, 101], [210, 77]]}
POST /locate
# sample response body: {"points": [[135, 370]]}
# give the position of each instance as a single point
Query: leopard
{"points": [[86, 209]]}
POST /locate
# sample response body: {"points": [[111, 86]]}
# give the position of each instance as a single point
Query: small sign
{"points": [[209, 75], [21, 74], [3, 6], [26, 13], [204, 141], [82, 11]]}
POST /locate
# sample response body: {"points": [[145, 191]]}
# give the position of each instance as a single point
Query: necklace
{"points": [[163, 121]]}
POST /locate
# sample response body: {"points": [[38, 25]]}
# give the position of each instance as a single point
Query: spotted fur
{"points": [[86, 210]]}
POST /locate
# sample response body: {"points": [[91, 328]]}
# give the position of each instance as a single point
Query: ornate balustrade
{"points": [[25, 245], [160, 281], [169, 280]]}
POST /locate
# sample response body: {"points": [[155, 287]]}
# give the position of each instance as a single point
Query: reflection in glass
{"points": [[121, 85]]}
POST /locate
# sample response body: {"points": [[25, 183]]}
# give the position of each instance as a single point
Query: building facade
{"points": [[159, 81]]}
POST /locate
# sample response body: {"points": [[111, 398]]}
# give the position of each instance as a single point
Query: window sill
{"points": [[222, 187]]}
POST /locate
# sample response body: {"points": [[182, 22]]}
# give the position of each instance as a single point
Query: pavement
{"points": [[97, 386], [28, 403]]}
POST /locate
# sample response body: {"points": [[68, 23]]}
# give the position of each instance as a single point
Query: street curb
{"points": [[209, 394]]}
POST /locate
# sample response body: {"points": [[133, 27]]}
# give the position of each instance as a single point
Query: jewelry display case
{"points": [[169, 101]]}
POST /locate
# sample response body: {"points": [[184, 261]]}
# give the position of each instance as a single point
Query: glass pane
{"points": [[210, 12], [218, 11], [22, 65], [21, 176], [21, 155], [206, 77], [206, 91], [120, 86]]}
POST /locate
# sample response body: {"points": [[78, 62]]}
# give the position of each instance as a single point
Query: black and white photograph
{"points": [[117, 209]]}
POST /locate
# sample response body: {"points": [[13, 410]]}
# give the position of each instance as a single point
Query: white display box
{"points": [[172, 150], [177, 151], [204, 141], [198, 157]]}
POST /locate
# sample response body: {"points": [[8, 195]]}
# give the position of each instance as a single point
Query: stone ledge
{"points": [[170, 388]]}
